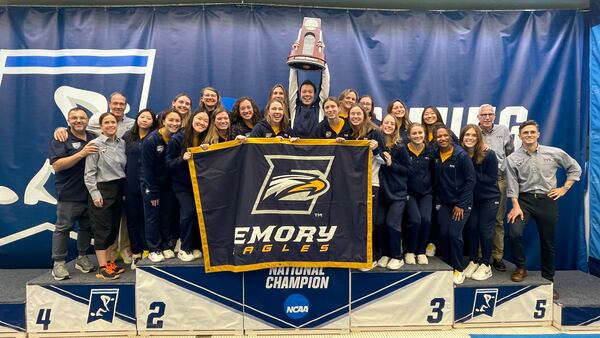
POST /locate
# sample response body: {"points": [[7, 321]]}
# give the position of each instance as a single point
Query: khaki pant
{"points": [[498, 240], [121, 244]]}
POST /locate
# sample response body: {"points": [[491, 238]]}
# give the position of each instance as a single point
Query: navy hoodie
{"points": [[324, 130], [264, 129], [133, 150], [420, 179], [154, 168], [178, 168], [455, 179], [486, 186], [393, 179]]}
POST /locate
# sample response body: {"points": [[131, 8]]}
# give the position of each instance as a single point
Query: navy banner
{"points": [[272, 203]]}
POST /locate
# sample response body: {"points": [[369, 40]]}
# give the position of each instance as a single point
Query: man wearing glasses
{"points": [[499, 139]]}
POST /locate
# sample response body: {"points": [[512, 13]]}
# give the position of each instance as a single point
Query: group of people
{"points": [[430, 187]]}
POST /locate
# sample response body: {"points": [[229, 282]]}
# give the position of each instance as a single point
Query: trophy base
{"points": [[306, 63]]}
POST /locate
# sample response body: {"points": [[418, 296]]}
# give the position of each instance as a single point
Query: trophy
{"points": [[305, 53]]}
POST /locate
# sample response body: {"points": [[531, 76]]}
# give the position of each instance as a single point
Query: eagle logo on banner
{"points": [[293, 184]]}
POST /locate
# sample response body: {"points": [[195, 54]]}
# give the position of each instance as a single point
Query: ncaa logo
{"points": [[293, 184], [484, 302], [296, 306], [102, 305]]}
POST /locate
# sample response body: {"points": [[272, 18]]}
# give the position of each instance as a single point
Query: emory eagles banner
{"points": [[273, 203]]}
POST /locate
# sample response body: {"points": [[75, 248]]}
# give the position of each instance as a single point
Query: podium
{"points": [[13, 300], [578, 307], [82, 304]]}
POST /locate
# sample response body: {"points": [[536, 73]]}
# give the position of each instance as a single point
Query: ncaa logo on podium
{"points": [[484, 302], [293, 184], [102, 304], [296, 306]]}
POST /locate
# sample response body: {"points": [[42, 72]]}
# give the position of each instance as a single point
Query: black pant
{"points": [[544, 211], [106, 219]]}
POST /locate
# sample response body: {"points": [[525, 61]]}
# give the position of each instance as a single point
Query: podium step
{"points": [[415, 296], [179, 298], [499, 301], [578, 307], [82, 303], [13, 300]]}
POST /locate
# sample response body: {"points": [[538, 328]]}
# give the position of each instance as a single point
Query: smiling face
{"points": [[430, 117], [172, 122], [200, 122], [78, 120], [417, 135], [388, 125], [356, 116], [182, 105], [349, 100], [117, 105], [398, 110], [144, 121], [222, 120], [275, 112], [529, 135], [367, 104], [469, 139], [210, 98], [486, 117], [246, 110], [307, 94], [109, 125], [278, 93], [331, 109], [443, 139]]}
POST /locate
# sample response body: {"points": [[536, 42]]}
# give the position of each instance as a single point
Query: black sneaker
{"points": [[499, 265], [118, 269], [107, 272]]}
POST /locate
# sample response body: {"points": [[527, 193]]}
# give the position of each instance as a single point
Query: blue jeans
{"points": [[451, 240], [480, 229]]}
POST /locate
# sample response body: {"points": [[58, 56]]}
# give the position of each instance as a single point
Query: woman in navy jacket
{"points": [[145, 123], [177, 163], [454, 183], [486, 200], [245, 115], [276, 122], [333, 126], [220, 127], [160, 208], [420, 191], [393, 177], [397, 108]]}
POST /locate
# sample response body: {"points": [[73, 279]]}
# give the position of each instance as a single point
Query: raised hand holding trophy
{"points": [[308, 51]]}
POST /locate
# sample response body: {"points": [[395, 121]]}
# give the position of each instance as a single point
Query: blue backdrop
{"points": [[527, 64]]}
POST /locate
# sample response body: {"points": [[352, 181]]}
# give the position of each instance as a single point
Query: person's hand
{"points": [[61, 134], [155, 202], [486, 147], [98, 202], [204, 146], [514, 213], [88, 149], [187, 155], [294, 139], [340, 140], [373, 144], [241, 138], [388, 158], [458, 214], [280, 138]]}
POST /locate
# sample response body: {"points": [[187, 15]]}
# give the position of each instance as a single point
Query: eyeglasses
{"points": [[487, 116]]}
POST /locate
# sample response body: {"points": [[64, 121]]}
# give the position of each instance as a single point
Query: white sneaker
{"points": [[197, 253], [156, 256], [177, 246], [470, 269], [185, 256], [373, 266], [383, 261], [483, 272], [168, 254], [395, 264], [422, 259], [409, 258], [459, 277], [430, 250]]}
